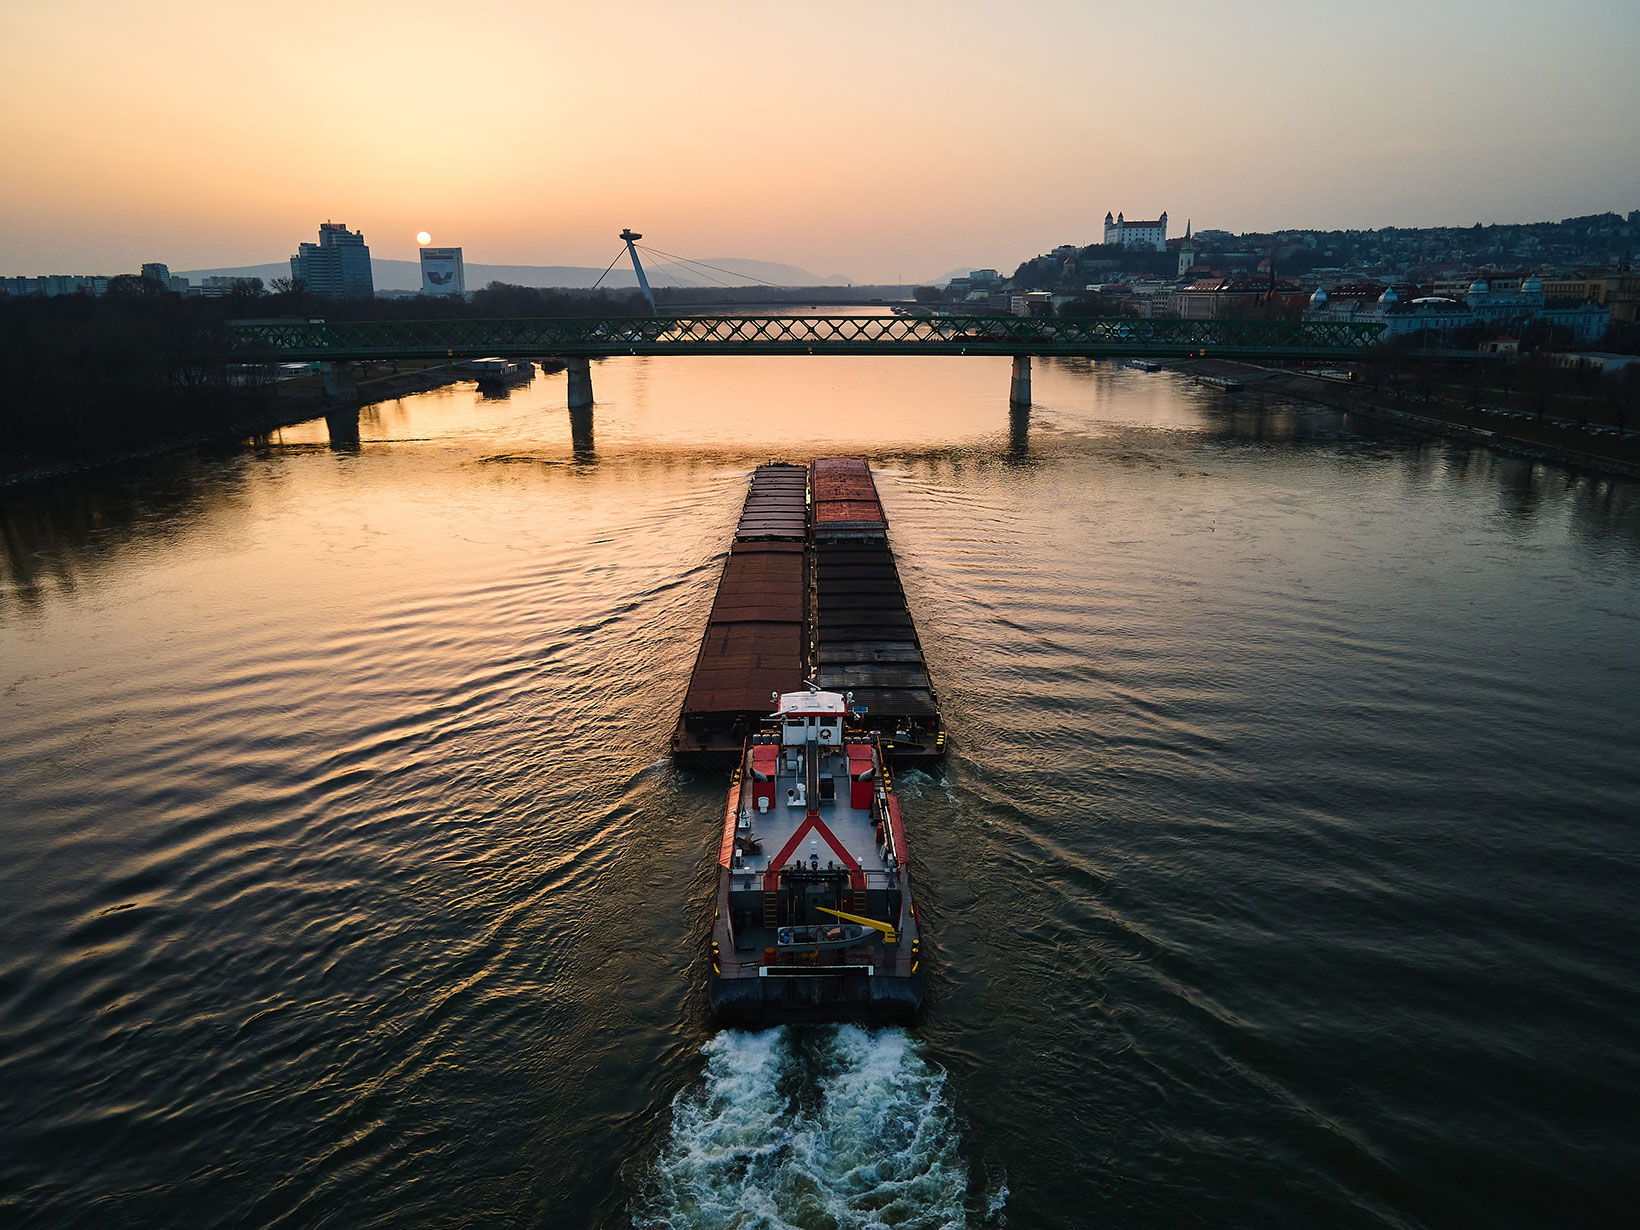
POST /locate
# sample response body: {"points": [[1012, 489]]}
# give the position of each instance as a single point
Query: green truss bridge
{"points": [[581, 339]]}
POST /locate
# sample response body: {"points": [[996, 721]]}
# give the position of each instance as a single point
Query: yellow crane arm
{"points": [[889, 936]]}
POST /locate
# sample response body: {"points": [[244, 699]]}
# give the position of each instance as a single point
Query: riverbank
{"points": [[1546, 437], [289, 402]]}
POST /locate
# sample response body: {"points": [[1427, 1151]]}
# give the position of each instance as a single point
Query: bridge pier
{"points": [[340, 384], [580, 384], [1019, 385]]}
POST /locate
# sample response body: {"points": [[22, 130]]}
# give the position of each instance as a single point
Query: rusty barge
{"points": [[809, 592]]}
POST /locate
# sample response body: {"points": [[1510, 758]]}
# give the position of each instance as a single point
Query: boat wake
{"points": [[826, 1126]]}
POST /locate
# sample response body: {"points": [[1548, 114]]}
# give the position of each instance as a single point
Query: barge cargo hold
{"points": [[862, 639], [813, 917], [756, 641], [810, 593]]}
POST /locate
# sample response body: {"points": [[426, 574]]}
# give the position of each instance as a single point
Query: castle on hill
{"points": [[1119, 232]]}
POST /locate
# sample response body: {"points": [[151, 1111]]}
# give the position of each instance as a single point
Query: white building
{"points": [[1119, 232], [442, 272], [1511, 308], [51, 285]]}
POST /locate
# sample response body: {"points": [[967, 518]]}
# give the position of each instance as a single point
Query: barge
{"points": [[813, 918], [810, 591], [756, 640], [862, 638]]}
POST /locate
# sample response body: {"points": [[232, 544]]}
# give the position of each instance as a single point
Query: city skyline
{"points": [[882, 144]]}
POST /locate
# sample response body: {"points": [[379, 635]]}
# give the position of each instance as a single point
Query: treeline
{"points": [[83, 377]]}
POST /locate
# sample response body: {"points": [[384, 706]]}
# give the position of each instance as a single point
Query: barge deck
{"points": [[756, 637], [862, 639], [810, 593]]}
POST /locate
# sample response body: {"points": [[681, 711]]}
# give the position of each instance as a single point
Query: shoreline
{"points": [[285, 410], [1532, 438]]}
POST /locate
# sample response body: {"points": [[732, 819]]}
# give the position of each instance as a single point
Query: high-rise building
{"points": [[338, 266], [442, 273]]}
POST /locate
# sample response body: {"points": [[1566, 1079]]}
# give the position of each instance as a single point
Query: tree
{"points": [[1540, 378], [1622, 390], [130, 286]]}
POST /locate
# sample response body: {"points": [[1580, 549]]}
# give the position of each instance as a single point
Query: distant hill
{"points": [[961, 272], [406, 275]]}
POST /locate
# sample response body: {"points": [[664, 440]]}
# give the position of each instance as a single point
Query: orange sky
{"points": [[878, 140]]}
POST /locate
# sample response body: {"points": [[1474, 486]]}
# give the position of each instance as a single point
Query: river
{"points": [[1282, 872]]}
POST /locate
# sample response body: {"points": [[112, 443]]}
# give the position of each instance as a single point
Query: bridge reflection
{"points": [[580, 435]]}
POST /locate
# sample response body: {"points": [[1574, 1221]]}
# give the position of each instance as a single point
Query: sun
{"points": [[423, 238]]}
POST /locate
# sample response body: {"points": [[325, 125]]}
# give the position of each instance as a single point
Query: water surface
{"points": [[1281, 874]]}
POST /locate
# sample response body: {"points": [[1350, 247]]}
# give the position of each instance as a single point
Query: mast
{"points": [[631, 237]]}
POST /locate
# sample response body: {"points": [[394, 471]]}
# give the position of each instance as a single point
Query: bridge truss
{"points": [[573, 337]]}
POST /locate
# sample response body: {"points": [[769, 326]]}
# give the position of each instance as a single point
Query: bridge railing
{"points": [[605, 336]]}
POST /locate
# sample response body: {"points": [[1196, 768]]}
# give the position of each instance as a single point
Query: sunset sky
{"points": [[879, 140]]}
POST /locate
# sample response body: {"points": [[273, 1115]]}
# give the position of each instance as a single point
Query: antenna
{"points": [[631, 236]]}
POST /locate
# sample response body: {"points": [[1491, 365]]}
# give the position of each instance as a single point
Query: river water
{"points": [[1283, 872]]}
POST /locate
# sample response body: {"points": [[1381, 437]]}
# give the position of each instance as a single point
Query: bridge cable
{"points": [[663, 271], [708, 283], [731, 273], [607, 268]]}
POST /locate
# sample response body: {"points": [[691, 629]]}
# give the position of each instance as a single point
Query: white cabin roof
{"points": [[805, 704]]}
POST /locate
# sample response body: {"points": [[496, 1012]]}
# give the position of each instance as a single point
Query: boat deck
{"points": [[772, 830]]}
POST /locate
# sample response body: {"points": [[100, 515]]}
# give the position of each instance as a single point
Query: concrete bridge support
{"points": [[1019, 387], [340, 383], [580, 384]]}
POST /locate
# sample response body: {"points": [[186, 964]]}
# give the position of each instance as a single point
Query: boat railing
{"points": [[899, 963]]}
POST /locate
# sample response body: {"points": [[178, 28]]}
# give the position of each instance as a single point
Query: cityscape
{"points": [[803, 616], [1573, 278]]}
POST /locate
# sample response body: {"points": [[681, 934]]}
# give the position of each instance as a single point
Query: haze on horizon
{"points": [[880, 141]]}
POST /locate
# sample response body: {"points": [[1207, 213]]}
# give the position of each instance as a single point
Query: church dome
{"points": [[1389, 298], [1319, 299], [1479, 287], [1532, 286]]}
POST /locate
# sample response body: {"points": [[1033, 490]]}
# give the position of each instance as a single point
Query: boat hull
{"points": [[808, 998]]}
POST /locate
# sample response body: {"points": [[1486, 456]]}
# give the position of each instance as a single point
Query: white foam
{"points": [[833, 1126]]}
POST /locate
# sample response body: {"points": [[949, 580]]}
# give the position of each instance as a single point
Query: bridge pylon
{"points": [[631, 236], [1019, 384], [580, 383]]}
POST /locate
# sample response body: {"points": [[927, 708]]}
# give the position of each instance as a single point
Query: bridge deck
{"points": [[1090, 337]]}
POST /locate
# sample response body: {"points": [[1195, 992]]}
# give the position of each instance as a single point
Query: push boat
{"points": [[814, 918]]}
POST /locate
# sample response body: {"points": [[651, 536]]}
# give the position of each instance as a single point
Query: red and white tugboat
{"points": [[814, 919]]}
